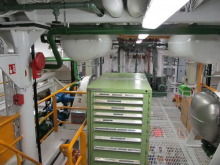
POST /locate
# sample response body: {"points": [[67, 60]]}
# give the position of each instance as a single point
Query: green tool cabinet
{"points": [[119, 110]]}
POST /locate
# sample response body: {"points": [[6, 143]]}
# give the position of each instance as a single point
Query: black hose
{"points": [[36, 112]]}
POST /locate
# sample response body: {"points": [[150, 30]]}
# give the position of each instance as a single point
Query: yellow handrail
{"points": [[212, 89], [2, 95], [69, 146], [74, 92], [18, 153], [14, 142], [53, 94], [10, 119], [1, 82], [80, 133]]}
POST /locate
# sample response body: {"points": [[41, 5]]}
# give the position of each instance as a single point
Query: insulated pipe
{"points": [[131, 29], [53, 6], [114, 7], [136, 8]]}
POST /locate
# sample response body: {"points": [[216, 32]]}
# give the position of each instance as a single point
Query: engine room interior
{"points": [[109, 82]]}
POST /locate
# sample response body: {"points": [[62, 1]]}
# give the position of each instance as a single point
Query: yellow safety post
{"points": [[83, 148], [55, 113], [200, 77]]}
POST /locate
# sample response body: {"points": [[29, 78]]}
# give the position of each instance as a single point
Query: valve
{"points": [[37, 65]]}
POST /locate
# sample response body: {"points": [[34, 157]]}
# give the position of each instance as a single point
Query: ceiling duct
{"points": [[114, 7]]}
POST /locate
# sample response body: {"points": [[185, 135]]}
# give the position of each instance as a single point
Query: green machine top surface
{"points": [[132, 82], [124, 75]]}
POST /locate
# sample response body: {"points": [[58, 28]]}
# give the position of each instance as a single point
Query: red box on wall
{"points": [[18, 99]]}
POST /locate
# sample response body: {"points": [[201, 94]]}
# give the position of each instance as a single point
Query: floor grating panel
{"points": [[157, 113], [168, 137]]}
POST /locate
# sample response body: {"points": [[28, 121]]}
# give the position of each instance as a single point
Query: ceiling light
{"points": [[159, 11], [142, 36], [138, 41]]}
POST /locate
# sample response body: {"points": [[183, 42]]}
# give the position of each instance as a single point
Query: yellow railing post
{"points": [[55, 113], [69, 155], [199, 77], [18, 159], [83, 148]]}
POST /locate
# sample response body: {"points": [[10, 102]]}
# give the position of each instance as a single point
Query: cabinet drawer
{"points": [[120, 161], [118, 114], [118, 108], [121, 121]]}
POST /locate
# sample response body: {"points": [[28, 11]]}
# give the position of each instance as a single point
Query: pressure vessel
{"points": [[87, 47], [198, 48], [204, 116]]}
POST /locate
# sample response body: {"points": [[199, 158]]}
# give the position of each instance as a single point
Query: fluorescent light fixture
{"points": [[138, 41], [159, 11], [142, 36]]}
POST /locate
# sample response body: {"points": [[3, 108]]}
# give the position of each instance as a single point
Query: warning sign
{"points": [[12, 69]]}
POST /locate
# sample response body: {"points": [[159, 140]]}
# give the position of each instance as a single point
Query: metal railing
{"points": [[18, 153], [67, 148], [210, 88]]}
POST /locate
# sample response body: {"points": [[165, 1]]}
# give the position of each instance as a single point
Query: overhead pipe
{"points": [[51, 59], [114, 7], [54, 6], [123, 29], [136, 8]]}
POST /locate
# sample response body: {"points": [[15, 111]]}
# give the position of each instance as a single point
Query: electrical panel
{"points": [[170, 59], [191, 71], [181, 69], [119, 110], [169, 71]]}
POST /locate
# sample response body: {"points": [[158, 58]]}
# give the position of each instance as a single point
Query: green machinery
{"points": [[119, 110]]}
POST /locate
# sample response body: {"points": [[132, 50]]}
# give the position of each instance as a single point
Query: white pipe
{"points": [[114, 7], [136, 7], [198, 48], [27, 123]]}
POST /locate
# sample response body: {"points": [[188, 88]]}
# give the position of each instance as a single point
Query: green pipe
{"points": [[56, 53], [76, 72], [53, 6], [49, 59], [123, 29], [136, 29], [72, 86]]}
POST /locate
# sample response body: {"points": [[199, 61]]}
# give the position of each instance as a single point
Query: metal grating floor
{"points": [[168, 137]]}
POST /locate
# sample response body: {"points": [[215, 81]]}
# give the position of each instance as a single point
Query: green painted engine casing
{"points": [[118, 114]]}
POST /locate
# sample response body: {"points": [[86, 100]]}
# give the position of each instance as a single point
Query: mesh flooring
{"points": [[168, 137]]}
